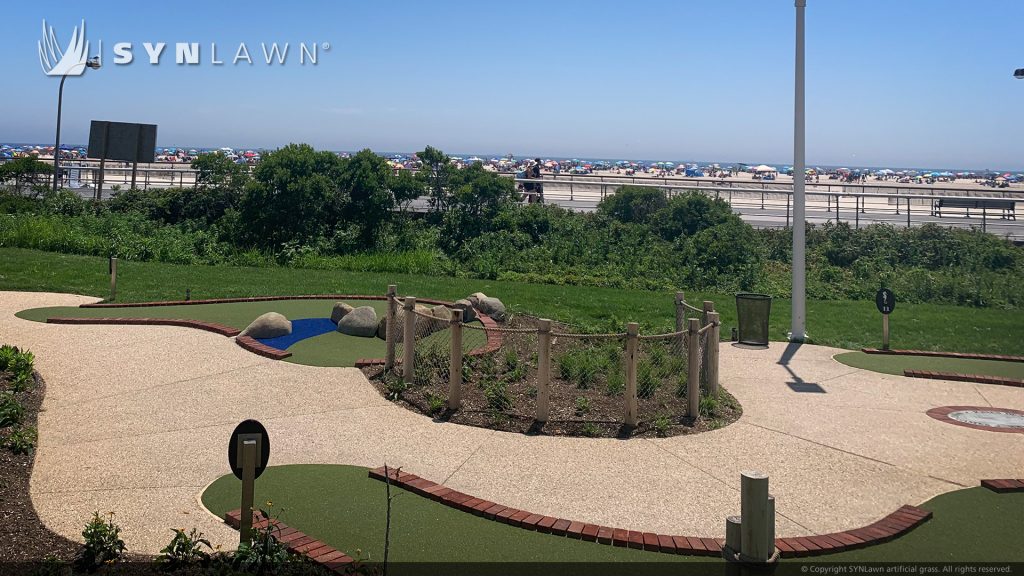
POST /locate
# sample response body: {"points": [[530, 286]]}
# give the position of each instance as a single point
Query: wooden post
{"points": [[754, 529], [770, 536], [708, 307], [113, 278], [733, 537], [693, 369], [409, 339], [712, 353], [390, 328], [632, 333], [680, 312], [543, 369], [455, 370], [248, 489]]}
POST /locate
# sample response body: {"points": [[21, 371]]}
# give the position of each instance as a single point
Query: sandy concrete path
{"points": [[136, 420]]}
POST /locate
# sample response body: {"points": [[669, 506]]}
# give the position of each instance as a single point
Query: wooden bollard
{"points": [[409, 339], [733, 538], [693, 369], [389, 327], [455, 368], [754, 511]]}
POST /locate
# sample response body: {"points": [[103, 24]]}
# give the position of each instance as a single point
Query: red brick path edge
{"points": [[208, 326], [1003, 486], [256, 347], [493, 344], [296, 542], [942, 414], [964, 355], [251, 299], [903, 520], [957, 377]]}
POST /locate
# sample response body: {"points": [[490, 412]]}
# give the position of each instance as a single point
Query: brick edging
{"points": [[958, 377], [903, 520], [208, 326], [256, 347], [963, 355], [1004, 486], [251, 299], [297, 542], [942, 413]]}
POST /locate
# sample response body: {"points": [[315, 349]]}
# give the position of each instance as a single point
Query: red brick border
{"points": [[1004, 486], [903, 520], [942, 415], [256, 347], [250, 299], [957, 377], [297, 542], [963, 355], [208, 326]]}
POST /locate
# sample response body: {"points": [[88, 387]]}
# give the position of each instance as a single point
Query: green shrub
{"points": [[616, 383], [646, 382], [435, 403], [184, 550], [499, 399], [582, 406], [103, 544], [11, 410], [21, 440], [709, 406], [661, 426], [262, 554], [590, 430]]}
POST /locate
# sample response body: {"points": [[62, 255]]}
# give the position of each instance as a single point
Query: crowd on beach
{"points": [[575, 166]]}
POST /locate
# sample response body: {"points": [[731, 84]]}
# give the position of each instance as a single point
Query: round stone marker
{"points": [[989, 418]]}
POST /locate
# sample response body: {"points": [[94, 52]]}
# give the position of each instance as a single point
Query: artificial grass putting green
{"points": [[331, 349], [343, 507], [895, 364]]}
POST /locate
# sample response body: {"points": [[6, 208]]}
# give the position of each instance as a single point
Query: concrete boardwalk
{"points": [[136, 420]]}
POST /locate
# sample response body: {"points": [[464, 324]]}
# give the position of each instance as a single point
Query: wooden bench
{"points": [[984, 204]]}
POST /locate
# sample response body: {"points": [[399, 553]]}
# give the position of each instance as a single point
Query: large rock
{"points": [[475, 298], [441, 312], [493, 308], [382, 328], [340, 311], [269, 325], [361, 322], [468, 312]]}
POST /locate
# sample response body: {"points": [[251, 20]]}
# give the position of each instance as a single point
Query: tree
{"points": [[475, 199], [689, 213], [294, 197], [367, 180], [633, 204], [216, 170], [436, 172], [25, 173]]}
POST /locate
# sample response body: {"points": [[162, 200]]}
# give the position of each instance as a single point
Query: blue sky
{"points": [[925, 83]]}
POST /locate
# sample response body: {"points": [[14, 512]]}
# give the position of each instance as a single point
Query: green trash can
{"points": [[753, 311]]}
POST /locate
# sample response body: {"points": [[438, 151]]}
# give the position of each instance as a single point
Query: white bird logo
{"points": [[68, 62]]}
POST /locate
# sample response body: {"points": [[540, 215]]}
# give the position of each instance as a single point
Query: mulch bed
{"points": [[22, 533], [590, 405]]}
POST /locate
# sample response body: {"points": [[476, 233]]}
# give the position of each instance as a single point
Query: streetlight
{"points": [[1019, 73], [93, 63], [798, 331]]}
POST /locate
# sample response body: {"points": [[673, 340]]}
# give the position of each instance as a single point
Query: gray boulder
{"points": [[382, 328], [361, 322], [441, 312], [493, 308], [339, 311], [269, 325], [468, 312], [475, 298]]}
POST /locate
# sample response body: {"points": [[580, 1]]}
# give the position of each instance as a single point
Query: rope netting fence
{"points": [[445, 359]]}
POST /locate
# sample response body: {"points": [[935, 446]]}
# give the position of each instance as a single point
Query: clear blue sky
{"points": [[925, 83]]}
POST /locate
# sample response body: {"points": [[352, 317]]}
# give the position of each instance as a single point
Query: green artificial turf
{"points": [[893, 364], [843, 324], [341, 506]]}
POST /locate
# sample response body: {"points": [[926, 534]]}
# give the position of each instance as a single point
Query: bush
{"points": [[11, 410], [633, 204], [184, 550], [103, 544], [21, 440]]}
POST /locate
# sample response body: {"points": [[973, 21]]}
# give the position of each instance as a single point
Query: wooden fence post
{"points": [[680, 312], [754, 526], [390, 329], [455, 370], [409, 339], [693, 369], [712, 353], [543, 369], [632, 333]]}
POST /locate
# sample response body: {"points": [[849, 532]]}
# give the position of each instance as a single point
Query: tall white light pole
{"points": [[798, 332]]}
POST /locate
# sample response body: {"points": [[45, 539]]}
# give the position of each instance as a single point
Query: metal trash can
{"points": [[753, 311]]}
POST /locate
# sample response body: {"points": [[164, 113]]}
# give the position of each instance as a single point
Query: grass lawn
{"points": [[331, 349], [844, 324], [341, 506], [892, 364]]}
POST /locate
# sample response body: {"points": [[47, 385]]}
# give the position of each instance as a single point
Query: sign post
{"points": [[885, 301], [248, 454]]}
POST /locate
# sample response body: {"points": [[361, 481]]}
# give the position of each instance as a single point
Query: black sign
{"points": [[122, 141], [249, 427], [885, 300]]}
